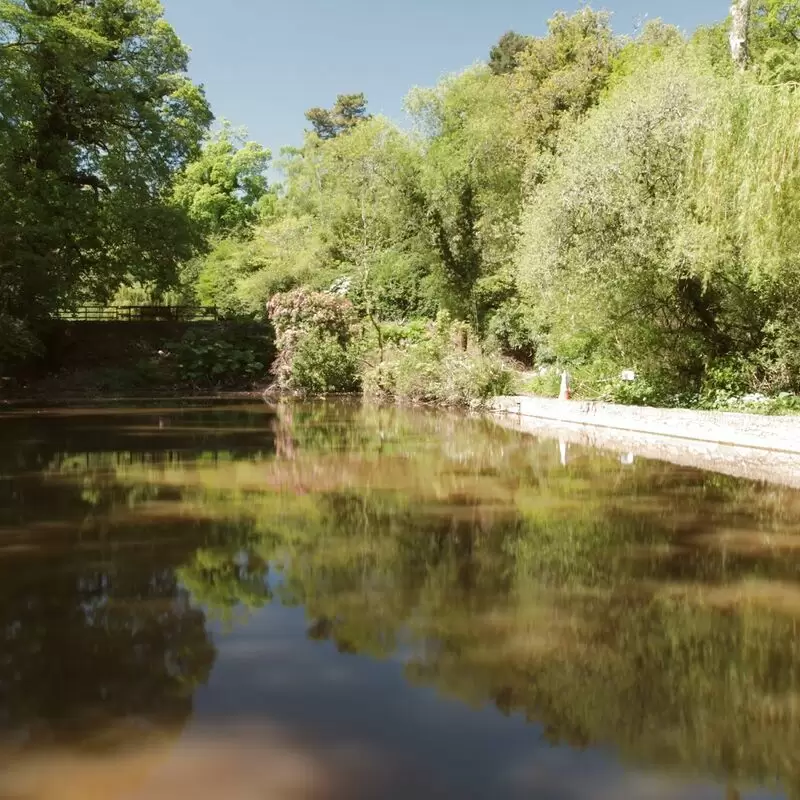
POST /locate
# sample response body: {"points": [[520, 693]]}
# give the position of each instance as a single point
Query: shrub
{"points": [[546, 383], [435, 368], [17, 343], [322, 364], [314, 337], [511, 330], [222, 357]]}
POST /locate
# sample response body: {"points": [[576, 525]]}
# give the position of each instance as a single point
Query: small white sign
{"points": [[628, 375]]}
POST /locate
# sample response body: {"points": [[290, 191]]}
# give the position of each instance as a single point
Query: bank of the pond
{"points": [[745, 445]]}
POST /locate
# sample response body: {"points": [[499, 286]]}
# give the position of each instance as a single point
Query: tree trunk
{"points": [[740, 28]]}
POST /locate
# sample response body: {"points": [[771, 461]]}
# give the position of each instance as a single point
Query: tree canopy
{"points": [[96, 116], [583, 199], [347, 111], [224, 190]]}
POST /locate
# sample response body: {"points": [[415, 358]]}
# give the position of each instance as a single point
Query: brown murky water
{"points": [[326, 601]]}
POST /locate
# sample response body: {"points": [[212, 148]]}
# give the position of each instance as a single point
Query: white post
{"points": [[565, 393]]}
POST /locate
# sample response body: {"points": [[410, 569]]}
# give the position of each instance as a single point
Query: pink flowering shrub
{"points": [[314, 335]]}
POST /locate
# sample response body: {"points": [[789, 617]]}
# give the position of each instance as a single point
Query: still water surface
{"points": [[336, 602]]}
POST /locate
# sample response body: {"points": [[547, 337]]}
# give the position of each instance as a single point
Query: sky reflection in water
{"points": [[329, 601]]}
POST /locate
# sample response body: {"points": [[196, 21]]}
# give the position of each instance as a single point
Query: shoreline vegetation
{"points": [[582, 201]]}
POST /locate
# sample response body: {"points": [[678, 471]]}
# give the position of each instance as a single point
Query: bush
{"points": [[222, 357], [511, 329], [784, 404], [435, 368], [547, 383], [314, 336], [17, 343], [321, 364], [601, 380], [640, 392]]}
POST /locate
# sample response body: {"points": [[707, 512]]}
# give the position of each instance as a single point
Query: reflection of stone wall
{"points": [[744, 445]]}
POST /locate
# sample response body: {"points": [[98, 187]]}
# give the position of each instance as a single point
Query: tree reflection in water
{"points": [[644, 606]]}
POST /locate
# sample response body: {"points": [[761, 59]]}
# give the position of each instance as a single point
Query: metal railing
{"points": [[141, 314]]}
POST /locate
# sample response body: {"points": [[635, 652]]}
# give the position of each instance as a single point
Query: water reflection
{"points": [[635, 606]]}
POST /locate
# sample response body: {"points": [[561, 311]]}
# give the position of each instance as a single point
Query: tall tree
{"points": [[561, 75], [97, 114], [503, 56], [740, 25], [225, 188], [471, 178], [346, 113]]}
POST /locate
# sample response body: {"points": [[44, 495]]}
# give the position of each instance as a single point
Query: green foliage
{"points": [[585, 200], [17, 344], [784, 404], [321, 364], [508, 323], [347, 112], [774, 43], [470, 180], [314, 337], [224, 356], [545, 383], [437, 367], [640, 392], [239, 276], [224, 190], [662, 236], [98, 115], [747, 178], [407, 224], [710, 44], [655, 40], [348, 214], [605, 259], [145, 375], [503, 56], [560, 76], [141, 294]]}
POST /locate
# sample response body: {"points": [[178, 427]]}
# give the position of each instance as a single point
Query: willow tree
{"points": [[746, 189], [606, 257]]}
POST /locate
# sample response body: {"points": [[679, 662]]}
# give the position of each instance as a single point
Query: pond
{"points": [[334, 601]]}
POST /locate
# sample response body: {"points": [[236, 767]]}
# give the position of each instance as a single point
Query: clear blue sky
{"points": [[264, 62]]}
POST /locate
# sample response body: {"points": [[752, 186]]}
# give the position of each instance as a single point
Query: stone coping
{"points": [[743, 445]]}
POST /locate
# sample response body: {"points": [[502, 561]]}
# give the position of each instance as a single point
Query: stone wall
{"points": [[743, 430], [772, 466]]}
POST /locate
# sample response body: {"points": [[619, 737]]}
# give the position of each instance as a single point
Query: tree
{"points": [[653, 43], [740, 25], [224, 189], [774, 23], [347, 112], [774, 40], [562, 75], [609, 256], [97, 115], [503, 56], [369, 197], [471, 179]]}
